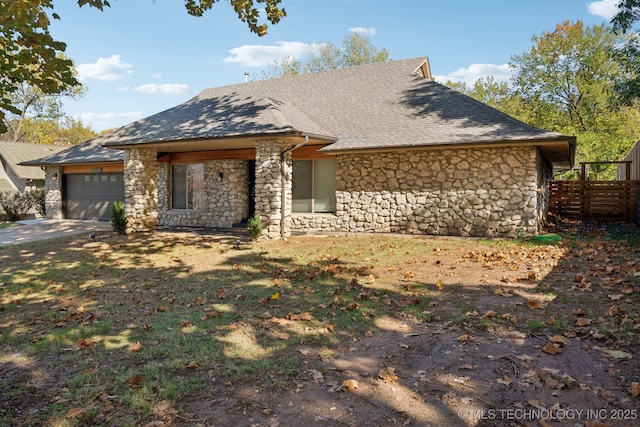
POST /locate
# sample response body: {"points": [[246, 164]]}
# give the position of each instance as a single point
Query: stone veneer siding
{"points": [[269, 187], [226, 184], [488, 192], [140, 189], [53, 192]]}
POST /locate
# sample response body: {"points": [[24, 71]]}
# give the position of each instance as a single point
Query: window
{"points": [[187, 187], [314, 185]]}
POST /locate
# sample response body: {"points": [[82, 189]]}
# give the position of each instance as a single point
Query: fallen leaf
{"points": [[558, 339], [306, 316], [84, 342], [193, 365], [552, 349], [465, 337], [350, 384], [388, 375], [634, 389], [281, 335], [535, 304], [582, 321], [505, 380], [615, 297], [76, 412], [439, 284], [135, 347], [135, 381], [617, 354], [275, 296], [490, 314], [627, 289]]}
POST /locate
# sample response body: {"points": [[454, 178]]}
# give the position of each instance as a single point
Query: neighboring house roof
{"points": [[16, 153], [88, 152], [385, 105], [5, 186]]}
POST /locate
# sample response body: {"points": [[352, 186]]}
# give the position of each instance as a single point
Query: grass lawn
{"points": [[134, 330]]}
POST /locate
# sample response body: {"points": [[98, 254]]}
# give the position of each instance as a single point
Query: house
{"points": [[17, 178], [373, 148], [82, 181]]}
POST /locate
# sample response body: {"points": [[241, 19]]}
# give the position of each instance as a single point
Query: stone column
{"points": [[53, 192], [140, 189], [269, 188]]}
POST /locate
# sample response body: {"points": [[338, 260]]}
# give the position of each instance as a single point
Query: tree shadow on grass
{"points": [[189, 328]]}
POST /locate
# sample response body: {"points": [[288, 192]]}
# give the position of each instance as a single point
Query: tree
{"points": [[628, 13], [357, 49], [34, 104], [30, 55], [486, 90], [567, 82]]}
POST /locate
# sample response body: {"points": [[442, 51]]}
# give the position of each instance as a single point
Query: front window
{"points": [[314, 185], [187, 187]]}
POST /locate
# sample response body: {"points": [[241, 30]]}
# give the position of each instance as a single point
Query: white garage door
{"points": [[89, 196]]}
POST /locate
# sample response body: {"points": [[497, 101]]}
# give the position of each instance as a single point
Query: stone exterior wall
{"points": [[314, 222], [140, 189], [53, 192], [500, 192], [226, 186], [269, 188], [463, 192]]}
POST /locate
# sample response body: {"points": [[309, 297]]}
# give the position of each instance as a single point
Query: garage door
{"points": [[89, 196]]}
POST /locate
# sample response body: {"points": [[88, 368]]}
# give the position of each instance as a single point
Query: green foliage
{"points": [[30, 55], [17, 205], [255, 226], [118, 219], [357, 49], [27, 47], [39, 201], [571, 81], [628, 13]]}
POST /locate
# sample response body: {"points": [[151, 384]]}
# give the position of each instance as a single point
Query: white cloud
{"points": [[163, 89], [364, 31], [112, 68], [469, 75], [604, 8], [259, 56]]}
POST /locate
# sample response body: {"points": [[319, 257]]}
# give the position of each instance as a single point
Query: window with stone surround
{"points": [[187, 187], [314, 186]]}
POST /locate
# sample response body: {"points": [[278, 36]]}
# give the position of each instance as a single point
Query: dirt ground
{"points": [[535, 336], [518, 335]]}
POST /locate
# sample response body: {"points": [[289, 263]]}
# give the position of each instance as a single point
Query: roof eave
{"points": [[257, 136]]}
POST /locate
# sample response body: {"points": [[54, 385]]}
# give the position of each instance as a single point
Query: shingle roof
{"points": [[88, 152], [376, 106], [16, 153]]}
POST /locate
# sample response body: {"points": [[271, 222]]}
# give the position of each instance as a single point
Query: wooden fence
{"points": [[595, 200]]}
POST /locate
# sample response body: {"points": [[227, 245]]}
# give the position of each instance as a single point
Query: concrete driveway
{"points": [[40, 229]]}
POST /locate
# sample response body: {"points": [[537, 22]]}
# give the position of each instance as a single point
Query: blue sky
{"points": [[140, 57]]}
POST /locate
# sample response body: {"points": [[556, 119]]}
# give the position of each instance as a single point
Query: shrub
{"points": [[118, 219], [17, 205], [255, 226], [39, 203]]}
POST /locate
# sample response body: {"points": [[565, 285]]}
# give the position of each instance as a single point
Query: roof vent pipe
{"points": [[246, 76]]}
